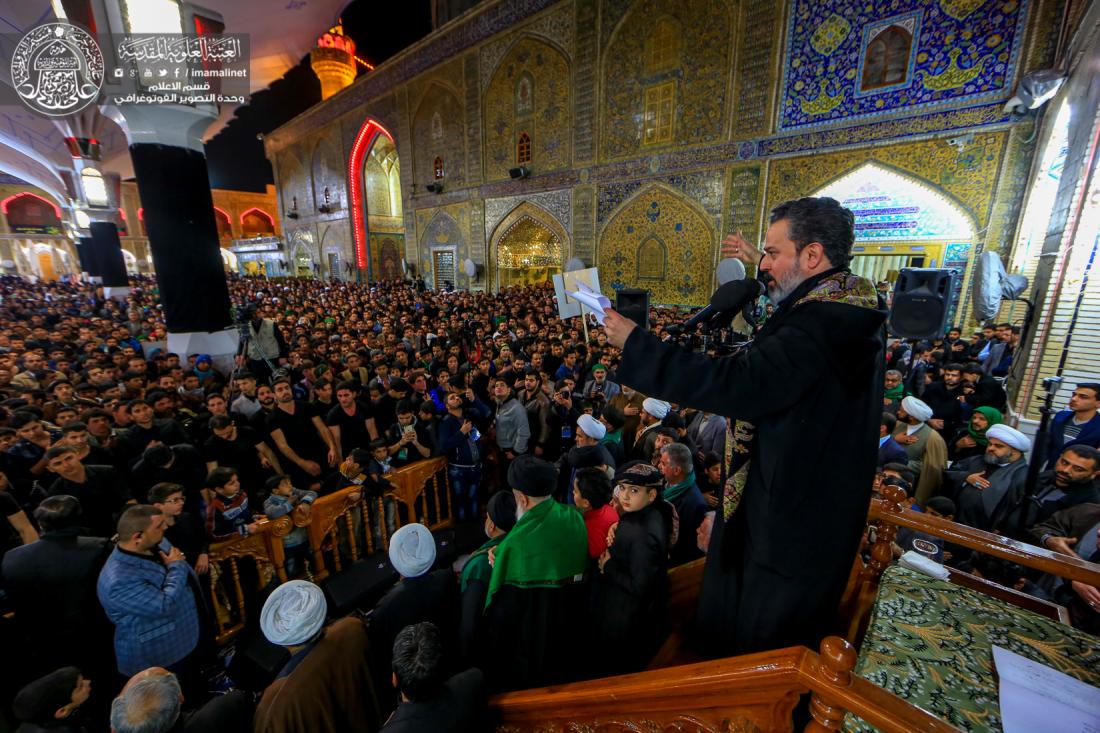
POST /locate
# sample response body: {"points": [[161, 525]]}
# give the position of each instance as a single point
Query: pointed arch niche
{"points": [[374, 182], [902, 222], [528, 247]]}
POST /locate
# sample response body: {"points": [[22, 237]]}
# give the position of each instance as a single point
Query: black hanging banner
{"points": [[183, 236], [108, 254], [85, 250]]}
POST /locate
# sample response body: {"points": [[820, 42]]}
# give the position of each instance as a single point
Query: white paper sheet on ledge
{"points": [[595, 302], [1035, 697]]}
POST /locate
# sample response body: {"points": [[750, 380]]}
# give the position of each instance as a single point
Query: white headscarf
{"points": [[412, 550], [592, 427], [656, 408], [294, 613], [1010, 437]]}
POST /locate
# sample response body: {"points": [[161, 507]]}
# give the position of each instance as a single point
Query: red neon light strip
{"points": [[122, 214], [9, 199], [257, 209], [222, 211], [141, 213], [368, 133]]}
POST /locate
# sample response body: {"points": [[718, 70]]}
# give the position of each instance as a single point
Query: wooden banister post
{"points": [[837, 660], [882, 552]]}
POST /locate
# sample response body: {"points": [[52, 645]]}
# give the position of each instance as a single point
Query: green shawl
{"points": [[897, 394], [993, 416], [477, 565], [547, 548], [674, 492], [615, 436]]}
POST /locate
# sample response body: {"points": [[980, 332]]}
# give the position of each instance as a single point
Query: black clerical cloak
{"points": [[811, 383]]}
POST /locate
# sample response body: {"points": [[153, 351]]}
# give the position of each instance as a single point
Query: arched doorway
{"points": [[225, 226], [257, 223], [528, 248], [902, 222], [374, 171], [29, 213]]}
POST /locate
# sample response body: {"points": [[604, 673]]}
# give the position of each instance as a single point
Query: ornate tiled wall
{"points": [[666, 43], [660, 241], [960, 49], [528, 94], [749, 125]]}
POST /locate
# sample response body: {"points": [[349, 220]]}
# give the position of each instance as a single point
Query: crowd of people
{"points": [[122, 463]]}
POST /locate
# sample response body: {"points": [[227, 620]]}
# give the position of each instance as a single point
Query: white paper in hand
{"points": [[598, 303], [1035, 697]]}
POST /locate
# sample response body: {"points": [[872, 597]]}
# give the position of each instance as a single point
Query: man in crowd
{"points": [[1072, 481], [1077, 425], [889, 450], [512, 429], [534, 592], [649, 421], [98, 489], [945, 398], [326, 685], [989, 486], [927, 451], [819, 355], [152, 597], [683, 493], [301, 437]]}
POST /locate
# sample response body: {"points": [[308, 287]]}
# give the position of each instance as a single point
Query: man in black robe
{"points": [[807, 399]]}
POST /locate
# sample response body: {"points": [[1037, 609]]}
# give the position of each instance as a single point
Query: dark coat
{"points": [[456, 708], [1089, 435], [1041, 506], [945, 406], [632, 593], [691, 507], [811, 383], [52, 587], [891, 452], [969, 509]]}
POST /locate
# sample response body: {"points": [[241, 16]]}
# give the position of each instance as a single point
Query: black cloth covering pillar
{"points": [[183, 236], [108, 254], [85, 250]]}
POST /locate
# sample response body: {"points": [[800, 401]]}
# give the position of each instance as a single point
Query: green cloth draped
{"points": [[896, 394], [674, 492], [547, 548], [993, 416], [477, 565], [615, 436]]}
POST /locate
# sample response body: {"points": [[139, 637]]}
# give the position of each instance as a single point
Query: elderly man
{"points": [[988, 487], [683, 493], [653, 412], [153, 702], [152, 597], [534, 594], [326, 686], [927, 451], [599, 388]]}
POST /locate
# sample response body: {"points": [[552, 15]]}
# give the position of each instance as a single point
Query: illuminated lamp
{"points": [[95, 189], [368, 133], [152, 16]]}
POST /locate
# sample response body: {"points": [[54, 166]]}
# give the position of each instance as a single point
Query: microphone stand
{"points": [[1051, 385]]}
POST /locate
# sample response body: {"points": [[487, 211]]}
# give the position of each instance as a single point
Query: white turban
{"points": [[592, 427], [656, 408], [916, 408], [412, 550], [294, 613], [1010, 437]]}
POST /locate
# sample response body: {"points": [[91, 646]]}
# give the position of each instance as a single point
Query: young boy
{"points": [[633, 587], [376, 485], [227, 515], [284, 499], [185, 530], [592, 495]]}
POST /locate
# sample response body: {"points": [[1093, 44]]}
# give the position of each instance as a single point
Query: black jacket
{"points": [[456, 708], [810, 385], [52, 587]]}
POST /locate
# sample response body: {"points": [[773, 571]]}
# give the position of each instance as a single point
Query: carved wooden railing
{"points": [[892, 511], [340, 529], [228, 594], [754, 692], [424, 489]]}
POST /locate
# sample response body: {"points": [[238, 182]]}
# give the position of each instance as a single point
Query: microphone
{"points": [[726, 301]]}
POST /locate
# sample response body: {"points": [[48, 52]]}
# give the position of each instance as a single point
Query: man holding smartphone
{"points": [[459, 441]]}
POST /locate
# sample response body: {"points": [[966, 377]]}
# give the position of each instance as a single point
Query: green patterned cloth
{"points": [[931, 643]]}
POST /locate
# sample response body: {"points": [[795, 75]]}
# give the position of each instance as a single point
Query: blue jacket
{"points": [[891, 451], [1089, 435], [152, 607]]}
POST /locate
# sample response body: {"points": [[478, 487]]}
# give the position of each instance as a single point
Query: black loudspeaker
{"points": [[922, 298], [633, 303], [360, 585]]}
